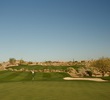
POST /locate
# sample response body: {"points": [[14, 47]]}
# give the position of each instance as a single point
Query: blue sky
{"points": [[41, 30]]}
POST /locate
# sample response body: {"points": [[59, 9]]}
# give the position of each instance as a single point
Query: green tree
{"points": [[102, 65], [21, 62], [12, 61]]}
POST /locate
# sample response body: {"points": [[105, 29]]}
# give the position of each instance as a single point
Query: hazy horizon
{"points": [[56, 30]]}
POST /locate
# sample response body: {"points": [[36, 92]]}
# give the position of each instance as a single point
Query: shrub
{"points": [[89, 73]]}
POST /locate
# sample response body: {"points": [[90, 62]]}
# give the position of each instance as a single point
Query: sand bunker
{"points": [[90, 79]]}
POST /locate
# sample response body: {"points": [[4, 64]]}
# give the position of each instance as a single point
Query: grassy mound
{"points": [[39, 67]]}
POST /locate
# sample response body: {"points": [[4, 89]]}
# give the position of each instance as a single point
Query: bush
{"points": [[89, 73]]}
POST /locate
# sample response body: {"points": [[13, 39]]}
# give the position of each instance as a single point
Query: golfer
{"points": [[32, 71]]}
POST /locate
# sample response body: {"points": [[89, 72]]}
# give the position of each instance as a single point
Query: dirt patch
{"points": [[89, 79]]}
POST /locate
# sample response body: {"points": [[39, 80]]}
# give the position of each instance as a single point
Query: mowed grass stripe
{"points": [[42, 76], [10, 76], [55, 76], [50, 76], [5, 74], [47, 76], [38, 76], [28, 76], [19, 77], [59, 75], [2, 72]]}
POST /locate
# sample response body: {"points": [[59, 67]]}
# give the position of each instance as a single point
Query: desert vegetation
{"points": [[93, 68]]}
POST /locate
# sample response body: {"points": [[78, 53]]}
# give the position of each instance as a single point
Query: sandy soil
{"points": [[90, 79]]}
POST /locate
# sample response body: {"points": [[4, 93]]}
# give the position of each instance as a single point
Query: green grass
{"points": [[49, 86], [55, 90], [6, 76], [106, 78]]}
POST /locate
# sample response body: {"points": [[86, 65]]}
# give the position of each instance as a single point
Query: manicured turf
{"points": [[6, 76], [54, 90], [49, 86]]}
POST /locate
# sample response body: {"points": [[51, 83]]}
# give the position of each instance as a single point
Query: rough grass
{"points": [[54, 90]]}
